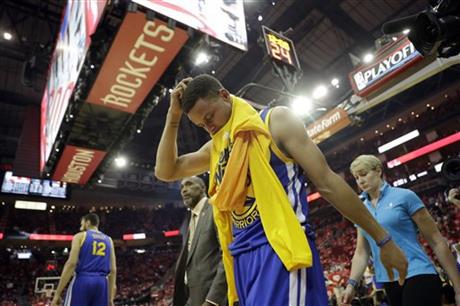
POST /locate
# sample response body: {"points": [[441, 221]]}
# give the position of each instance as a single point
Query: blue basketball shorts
{"points": [[262, 280], [87, 291]]}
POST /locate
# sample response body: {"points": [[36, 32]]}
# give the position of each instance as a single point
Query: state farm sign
{"points": [[138, 57], [391, 61], [329, 124]]}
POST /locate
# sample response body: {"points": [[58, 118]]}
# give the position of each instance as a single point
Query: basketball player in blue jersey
{"points": [[260, 277], [92, 267]]}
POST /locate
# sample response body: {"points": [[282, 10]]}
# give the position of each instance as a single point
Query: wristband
{"points": [[352, 282], [384, 241]]}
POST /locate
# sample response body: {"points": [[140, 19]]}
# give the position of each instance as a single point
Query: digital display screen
{"points": [[224, 20], [280, 48], [79, 22], [35, 187]]}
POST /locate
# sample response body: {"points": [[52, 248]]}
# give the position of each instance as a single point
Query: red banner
{"points": [[77, 164], [173, 233], [424, 150], [138, 57], [51, 237], [137, 236]]}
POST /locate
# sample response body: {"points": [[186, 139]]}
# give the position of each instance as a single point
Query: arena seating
{"points": [[147, 278], [139, 275]]}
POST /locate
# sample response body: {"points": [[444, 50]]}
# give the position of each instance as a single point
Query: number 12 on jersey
{"points": [[99, 248]]}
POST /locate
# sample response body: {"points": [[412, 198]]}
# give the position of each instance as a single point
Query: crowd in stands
{"points": [[437, 122], [27, 221], [141, 280], [141, 274], [114, 221], [145, 276]]}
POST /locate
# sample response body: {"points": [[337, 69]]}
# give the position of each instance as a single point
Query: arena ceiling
{"points": [[327, 34]]}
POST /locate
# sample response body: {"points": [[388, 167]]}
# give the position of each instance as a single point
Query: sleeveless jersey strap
{"points": [[265, 115]]}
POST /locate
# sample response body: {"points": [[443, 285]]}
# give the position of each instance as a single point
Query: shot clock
{"points": [[280, 48]]}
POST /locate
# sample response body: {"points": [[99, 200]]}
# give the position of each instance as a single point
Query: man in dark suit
{"points": [[200, 276]]}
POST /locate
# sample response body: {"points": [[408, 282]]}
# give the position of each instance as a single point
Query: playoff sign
{"points": [[390, 61]]}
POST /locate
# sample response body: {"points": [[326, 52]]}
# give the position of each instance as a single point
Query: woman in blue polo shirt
{"points": [[401, 212]]}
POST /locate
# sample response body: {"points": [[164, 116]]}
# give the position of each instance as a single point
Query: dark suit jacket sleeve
{"points": [[218, 290]]}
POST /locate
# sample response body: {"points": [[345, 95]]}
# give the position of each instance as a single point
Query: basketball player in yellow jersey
{"points": [[260, 278], [92, 267]]}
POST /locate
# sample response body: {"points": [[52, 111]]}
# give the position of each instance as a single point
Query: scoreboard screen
{"points": [[35, 187], [280, 48]]}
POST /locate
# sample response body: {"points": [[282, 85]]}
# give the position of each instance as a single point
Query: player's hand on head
{"points": [[176, 97], [392, 257]]}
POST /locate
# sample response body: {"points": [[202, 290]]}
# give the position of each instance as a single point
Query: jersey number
{"points": [[99, 248]]}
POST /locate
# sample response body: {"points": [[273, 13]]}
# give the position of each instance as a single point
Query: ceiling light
{"points": [[260, 18], [301, 106], [335, 82], [406, 31], [394, 38], [120, 162], [368, 58], [319, 92], [213, 72], [202, 58], [7, 35]]}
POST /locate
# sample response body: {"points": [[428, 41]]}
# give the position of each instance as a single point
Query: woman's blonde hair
{"points": [[367, 161]]}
